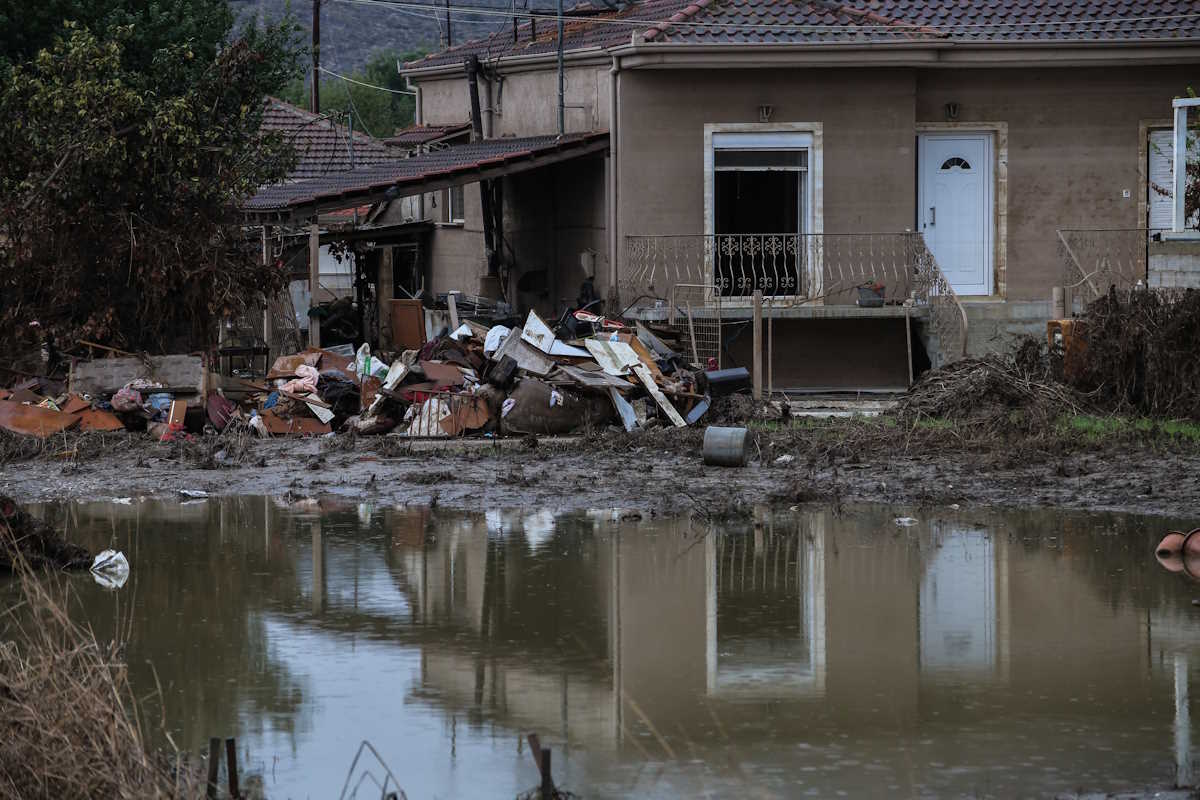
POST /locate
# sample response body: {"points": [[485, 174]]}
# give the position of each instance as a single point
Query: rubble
{"points": [[490, 375]]}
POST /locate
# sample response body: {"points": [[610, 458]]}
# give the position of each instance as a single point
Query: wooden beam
{"points": [[415, 186], [314, 281]]}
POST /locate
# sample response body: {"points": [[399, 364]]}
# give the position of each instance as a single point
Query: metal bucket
{"points": [[725, 447]]}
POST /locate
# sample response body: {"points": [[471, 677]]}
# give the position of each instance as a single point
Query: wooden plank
{"points": [[663, 403], [452, 304], [692, 335], [177, 412], [594, 379], [408, 324], [314, 281], [34, 421]]}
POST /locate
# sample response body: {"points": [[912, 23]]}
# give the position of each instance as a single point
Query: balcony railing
{"points": [[1097, 259], [723, 270]]}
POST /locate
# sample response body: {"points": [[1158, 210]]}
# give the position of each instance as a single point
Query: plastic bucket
{"points": [[725, 447]]}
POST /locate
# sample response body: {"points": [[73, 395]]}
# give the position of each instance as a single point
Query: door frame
{"points": [[998, 135]]}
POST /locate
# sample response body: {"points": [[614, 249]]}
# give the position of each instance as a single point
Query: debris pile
{"points": [[112, 394], [483, 380], [486, 381]]}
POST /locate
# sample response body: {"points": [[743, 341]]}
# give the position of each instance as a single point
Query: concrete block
{"points": [[107, 375]]}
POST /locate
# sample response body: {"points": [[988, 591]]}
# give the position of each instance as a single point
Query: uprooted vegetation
{"points": [[69, 721]]}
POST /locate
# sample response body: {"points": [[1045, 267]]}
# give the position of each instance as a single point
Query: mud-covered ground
{"points": [[658, 471]]}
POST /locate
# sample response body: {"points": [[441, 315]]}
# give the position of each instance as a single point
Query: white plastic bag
{"points": [[110, 569]]}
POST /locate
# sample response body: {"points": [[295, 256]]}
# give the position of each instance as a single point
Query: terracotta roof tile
{"points": [[825, 21], [415, 135], [322, 147]]}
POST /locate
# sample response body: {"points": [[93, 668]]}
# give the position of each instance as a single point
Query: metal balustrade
{"points": [[792, 269]]}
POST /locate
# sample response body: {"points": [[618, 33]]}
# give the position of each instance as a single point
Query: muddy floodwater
{"points": [[790, 654]]}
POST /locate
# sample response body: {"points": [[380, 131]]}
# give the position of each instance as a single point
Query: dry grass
{"points": [[69, 722]]}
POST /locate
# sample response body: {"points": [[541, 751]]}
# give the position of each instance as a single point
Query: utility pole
{"points": [[449, 38], [316, 57]]}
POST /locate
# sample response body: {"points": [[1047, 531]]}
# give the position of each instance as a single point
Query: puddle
{"points": [[985, 654]]}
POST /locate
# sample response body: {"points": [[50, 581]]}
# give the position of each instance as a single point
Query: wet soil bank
{"points": [[656, 471]]}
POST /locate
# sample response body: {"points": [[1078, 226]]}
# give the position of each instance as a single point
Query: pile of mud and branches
{"points": [[1014, 390], [1137, 353], [68, 717], [68, 447], [27, 541]]}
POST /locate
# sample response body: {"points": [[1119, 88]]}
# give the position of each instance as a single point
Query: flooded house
{"points": [[900, 182]]}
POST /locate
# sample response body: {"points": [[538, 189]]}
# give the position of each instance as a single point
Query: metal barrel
{"points": [[725, 447]]}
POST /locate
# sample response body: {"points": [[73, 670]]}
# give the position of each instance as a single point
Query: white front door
{"points": [[955, 207]]}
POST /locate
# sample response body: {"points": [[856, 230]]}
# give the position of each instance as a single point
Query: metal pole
{"points": [[562, 128], [449, 38], [316, 57], [758, 376]]}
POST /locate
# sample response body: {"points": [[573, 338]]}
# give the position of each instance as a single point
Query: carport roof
{"points": [[451, 166]]}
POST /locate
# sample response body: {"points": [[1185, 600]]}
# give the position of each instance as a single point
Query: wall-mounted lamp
{"points": [[765, 112], [951, 111]]}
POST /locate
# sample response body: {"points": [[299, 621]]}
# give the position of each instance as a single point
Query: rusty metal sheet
{"points": [[25, 396], [442, 374], [34, 421], [75, 404], [92, 419]]}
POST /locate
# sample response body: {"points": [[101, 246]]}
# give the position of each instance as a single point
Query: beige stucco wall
{"points": [[528, 104], [1072, 146], [867, 118], [551, 214], [1072, 149]]}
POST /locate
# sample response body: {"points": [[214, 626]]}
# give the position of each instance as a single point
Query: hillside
{"points": [[351, 32]]}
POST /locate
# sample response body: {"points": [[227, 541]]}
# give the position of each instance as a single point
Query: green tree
{"points": [[119, 180], [379, 113], [28, 27]]}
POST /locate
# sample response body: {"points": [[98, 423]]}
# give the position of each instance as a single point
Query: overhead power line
{"points": [[897, 26], [363, 84]]}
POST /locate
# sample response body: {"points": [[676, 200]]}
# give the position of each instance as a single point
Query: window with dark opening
{"points": [[759, 198], [454, 208]]}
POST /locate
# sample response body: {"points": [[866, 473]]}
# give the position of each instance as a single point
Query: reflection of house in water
{"points": [[650, 639]]}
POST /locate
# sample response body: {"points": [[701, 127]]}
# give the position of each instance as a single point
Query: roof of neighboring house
{"points": [[831, 21], [456, 164], [415, 135], [322, 146]]}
